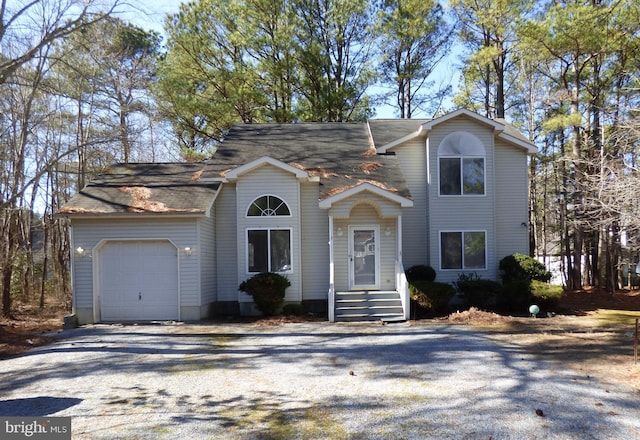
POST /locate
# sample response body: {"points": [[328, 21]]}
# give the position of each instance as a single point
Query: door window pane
{"points": [[364, 257]]}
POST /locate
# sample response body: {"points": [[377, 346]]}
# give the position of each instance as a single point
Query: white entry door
{"points": [[364, 257], [138, 280]]}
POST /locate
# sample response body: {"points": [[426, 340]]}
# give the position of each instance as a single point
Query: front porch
{"points": [[367, 281]]}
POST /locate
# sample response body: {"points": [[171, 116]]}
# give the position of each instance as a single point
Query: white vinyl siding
{"points": [[89, 233], [462, 213], [208, 270], [276, 182], [415, 237], [512, 201], [315, 248], [227, 242]]}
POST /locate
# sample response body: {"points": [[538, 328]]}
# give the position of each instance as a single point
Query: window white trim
{"points": [[246, 211], [462, 193], [462, 145], [463, 232], [268, 229]]}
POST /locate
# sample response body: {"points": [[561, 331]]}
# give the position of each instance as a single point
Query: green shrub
{"points": [[546, 296], [515, 296], [420, 272], [267, 290], [477, 292], [522, 267], [432, 296], [293, 309]]}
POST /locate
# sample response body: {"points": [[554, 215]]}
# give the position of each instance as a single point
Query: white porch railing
{"points": [[403, 289], [332, 303]]}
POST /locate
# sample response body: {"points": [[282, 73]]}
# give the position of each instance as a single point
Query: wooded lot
{"points": [[81, 88]]}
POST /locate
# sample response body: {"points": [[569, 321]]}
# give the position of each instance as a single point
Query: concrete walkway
{"points": [[308, 381]]}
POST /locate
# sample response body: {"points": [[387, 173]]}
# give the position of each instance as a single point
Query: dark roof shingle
{"points": [[339, 153], [152, 188]]}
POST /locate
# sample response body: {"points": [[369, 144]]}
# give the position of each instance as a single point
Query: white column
{"points": [[331, 293]]}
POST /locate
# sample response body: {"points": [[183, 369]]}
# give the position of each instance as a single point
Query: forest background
{"points": [[84, 84]]}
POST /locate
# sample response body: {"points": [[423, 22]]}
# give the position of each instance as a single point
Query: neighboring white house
{"points": [[340, 209]]}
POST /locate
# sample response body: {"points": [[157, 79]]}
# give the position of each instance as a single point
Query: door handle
{"points": [[139, 296]]}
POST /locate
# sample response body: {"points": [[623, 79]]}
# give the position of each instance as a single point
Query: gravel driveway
{"points": [[310, 380]]}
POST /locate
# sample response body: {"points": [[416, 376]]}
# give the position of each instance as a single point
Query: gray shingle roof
{"points": [[339, 153], [384, 131], [148, 188]]}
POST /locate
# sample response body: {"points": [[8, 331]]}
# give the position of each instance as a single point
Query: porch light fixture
{"points": [[387, 231], [187, 251], [339, 232], [82, 252]]}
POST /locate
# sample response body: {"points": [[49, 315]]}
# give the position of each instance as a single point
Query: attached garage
{"points": [[138, 281]]}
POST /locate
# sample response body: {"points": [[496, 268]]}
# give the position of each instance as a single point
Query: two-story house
{"points": [[340, 209]]}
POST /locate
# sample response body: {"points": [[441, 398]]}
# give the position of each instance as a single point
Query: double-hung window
{"points": [[461, 165], [268, 248], [463, 250]]}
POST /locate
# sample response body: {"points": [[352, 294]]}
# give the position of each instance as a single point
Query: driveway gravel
{"points": [[308, 381]]}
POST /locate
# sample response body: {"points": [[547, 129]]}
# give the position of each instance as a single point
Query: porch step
{"points": [[368, 305]]}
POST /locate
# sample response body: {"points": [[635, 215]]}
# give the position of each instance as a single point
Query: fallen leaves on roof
{"points": [[314, 171], [79, 210], [196, 175], [369, 167], [370, 152], [140, 202], [339, 189]]}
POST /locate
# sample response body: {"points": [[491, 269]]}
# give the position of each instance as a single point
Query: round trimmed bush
{"points": [[267, 290], [517, 267], [420, 272]]}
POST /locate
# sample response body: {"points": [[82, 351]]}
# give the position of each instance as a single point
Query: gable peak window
{"points": [[461, 165], [268, 206]]}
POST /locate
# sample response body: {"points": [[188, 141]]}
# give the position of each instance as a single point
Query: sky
{"points": [[151, 14]]}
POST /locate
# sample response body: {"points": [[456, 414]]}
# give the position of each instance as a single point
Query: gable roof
{"points": [[145, 188], [338, 154], [390, 133]]}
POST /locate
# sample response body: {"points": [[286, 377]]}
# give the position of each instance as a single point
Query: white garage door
{"points": [[138, 281]]}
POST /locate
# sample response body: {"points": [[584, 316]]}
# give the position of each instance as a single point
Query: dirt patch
{"points": [[26, 328]]}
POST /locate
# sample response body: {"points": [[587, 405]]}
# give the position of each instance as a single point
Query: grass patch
{"points": [[616, 317]]}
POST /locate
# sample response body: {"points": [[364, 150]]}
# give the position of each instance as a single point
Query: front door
{"points": [[364, 257]]}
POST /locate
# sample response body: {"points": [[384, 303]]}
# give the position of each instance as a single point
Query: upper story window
{"points": [[267, 206], [461, 165]]}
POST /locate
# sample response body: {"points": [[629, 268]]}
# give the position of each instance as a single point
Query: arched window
{"points": [[461, 159], [267, 206]]}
